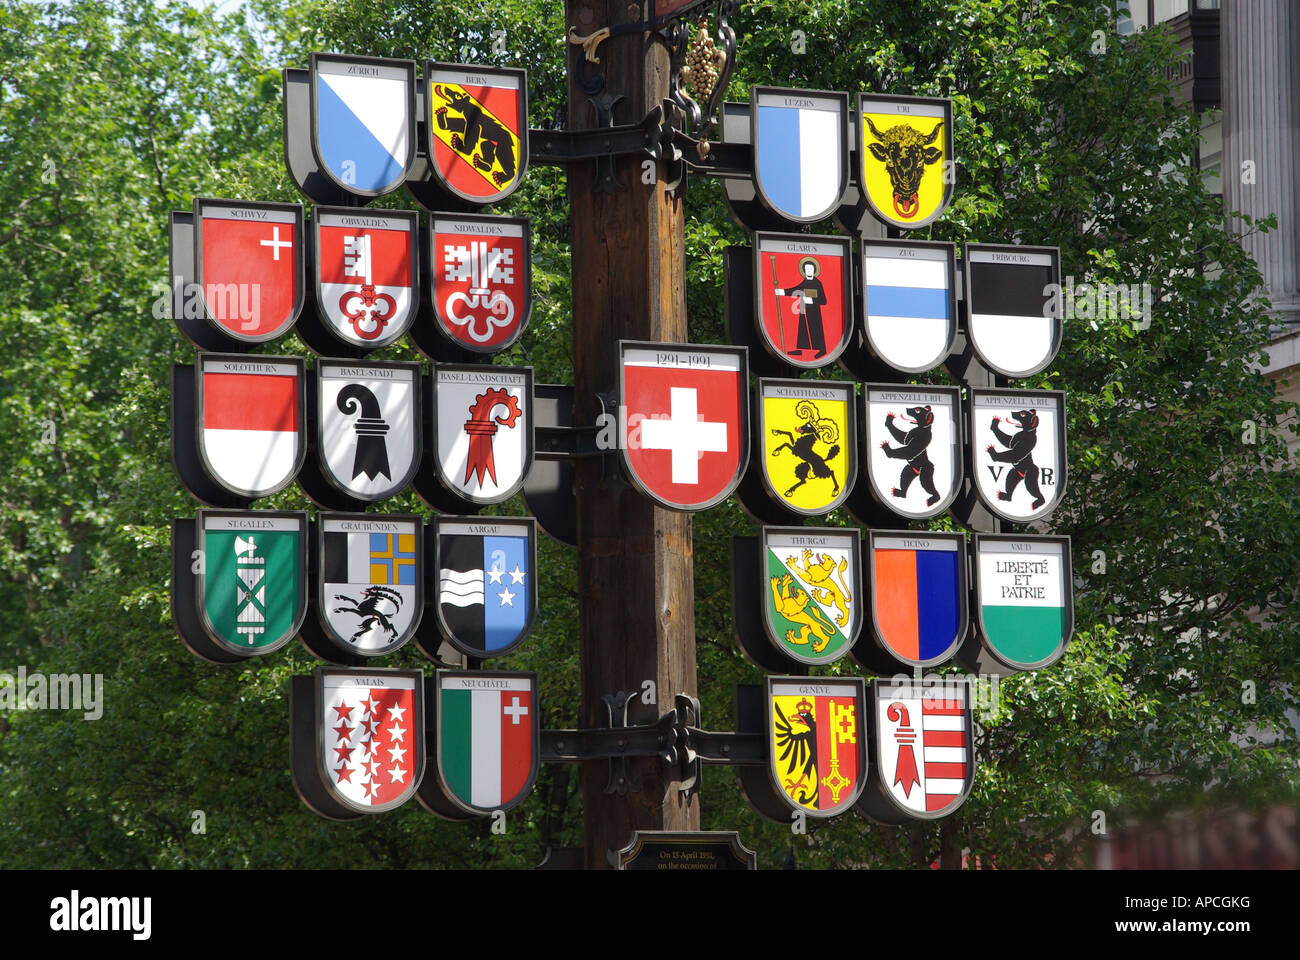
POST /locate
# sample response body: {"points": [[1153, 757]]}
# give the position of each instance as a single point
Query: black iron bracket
{"points": [[604, 140], [616, 743], [715, 158]]}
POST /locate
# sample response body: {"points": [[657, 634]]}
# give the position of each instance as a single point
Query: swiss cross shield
{"points": [[685, 436], [904, 152], [248, 265], [367, 287], [801, 151], [917, 594], [488, 738], [1018, 451], [250, 412], [370, 594], [807, 431], [482, 280], [370, 736], [802, 292], [487, 582], [924, 752], [253, 577], [483, 429], [478, 129], [909, 302], [1025, 595], [809, 582], [1015, 317], [913, 447], [817, 742], [368, 426]]}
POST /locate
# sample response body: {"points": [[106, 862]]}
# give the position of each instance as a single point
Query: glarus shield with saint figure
{"points": [[817, 742]]}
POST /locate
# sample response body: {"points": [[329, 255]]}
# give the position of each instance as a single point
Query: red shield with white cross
{"points": [[684, 422], [482, 280]]}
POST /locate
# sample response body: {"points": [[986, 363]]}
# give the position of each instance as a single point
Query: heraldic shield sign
{"points": [[924, 761], [478, 129], [483, 430], [913, 447], [801, 151], [487, 583], [807, 432], [363, 121], [1018, 451], [905, 145], [817, 742], [252, 588], [488, 738], [371, 589], [918, 594], [370, 736], [802, 290], [1025, 595], [810, 587], [482, 280], [250, 412], [909, 302], [248, 264], [1015, 321], [368, 426], [685, 438], [367, 286]]}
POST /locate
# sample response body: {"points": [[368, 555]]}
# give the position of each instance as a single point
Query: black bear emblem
{"points": [[1020, 454], [473, 129], [914, 448]]}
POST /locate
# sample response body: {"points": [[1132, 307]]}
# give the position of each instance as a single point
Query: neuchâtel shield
{"points": [[368, 426], [370, 736], [363, 121], [371, 589], [1025, 598], [909, 302], [802, 288], [482, 280], [1015, 320], [487, 583], [478, 129], [1018, 451], [248, 264], [918, 594], [904, 150], [913, 447], [367, 278], [812, 601], [488, 738], [801, 151], [817, 742], [484, 430], [924, 762], [252, 588], [807, 430]]}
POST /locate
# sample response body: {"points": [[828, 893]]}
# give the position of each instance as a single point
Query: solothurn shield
{"points": [[483, 429], [802, 292], [487, 583], [363, 121], [924, 760], [913, 450], [1025, 598], [368, 426], [478, 129], [817, 742], [488, 738], [1018, 451], [801, 151], [904, 157], [1015, 318], [482, 280], [809, 583], [807, 432], [918, 594], [367, 278], [909, 302], [370, 594]]}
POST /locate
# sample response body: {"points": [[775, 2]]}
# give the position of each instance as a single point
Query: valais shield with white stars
{"points": [[370, 736], [488, 738]]}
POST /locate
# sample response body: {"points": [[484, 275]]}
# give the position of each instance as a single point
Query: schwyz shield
{"points": [[363, 121], [482, 280], [918, 594], [368, 426], [802, 297], [924, 750], [809, 582], [807, 431], [483, 429], [488, 738], [478, 129], [909, 302], [904, 153], [371, 589], [367, 278], [1018, 451], [913, 451], [487, 582], [817, 742], [801, 151], [1025, 595]]}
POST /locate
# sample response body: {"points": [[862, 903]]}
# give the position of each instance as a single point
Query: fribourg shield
{"points": [[925, 751], [801, 151], [802, 290], [1025, 593], [371, 589], [918, 594], [812, 603], [368, 423], [478, 129], [904, 152], [488, 738], [913, 447], [817, 742], [367, 286], [484, 429], [1018, 451], [363, 121], [487, 585], [909, 302], [482, 280], [1015, 319], [807, 431]]}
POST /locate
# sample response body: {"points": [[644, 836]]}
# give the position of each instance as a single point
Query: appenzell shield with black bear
{"points": [[367, 274], [371, 590], [488, 738], [248, 266], [802, 297], [914, 455], [1018, 451], [684, 433], [918, 594], [483, 433], [482, 280], [487, 582], [478, 129], [1014, 325], [368, 426], [905, 156], [363, 121], [924, 749], [810, 584], [1024, 594], [370, 736], [817, 742], [807, 433], [801, 151]]}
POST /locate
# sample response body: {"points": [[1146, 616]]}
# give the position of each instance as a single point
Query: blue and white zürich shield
{"points": [[801, 151], [363, 121]]}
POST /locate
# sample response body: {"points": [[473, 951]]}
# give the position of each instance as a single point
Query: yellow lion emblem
{"points": [[824, 589]]}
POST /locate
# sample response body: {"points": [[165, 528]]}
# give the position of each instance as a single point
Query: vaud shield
{"points": [[913, 447], [363, 121], [478, 129], [370, 594], [917, 582], [807, 432], [802, 297], [1015, 320], [817, 742], [904, 156], [248, 265], [368, 426], [370, 735], [483, 429], [923, 761], [487, 582], [482, 280], [1025, 594], [1018, 451], [684, 428], [809, 583], [250, 412], [909, 302], [801, 151], [252, 583], [488, 738], [367, 278]]}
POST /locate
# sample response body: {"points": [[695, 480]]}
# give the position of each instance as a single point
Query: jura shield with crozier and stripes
{"points": [[925, 759]]}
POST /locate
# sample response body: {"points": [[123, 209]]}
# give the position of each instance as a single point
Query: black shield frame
{"points": [[849, 439], [1067, 594], [442, 325], [854, 538], [520, 79], [858, 685], [761, 280], [1056, 397], [870, 435], [527, 523], [843, 98], [946, 105]]}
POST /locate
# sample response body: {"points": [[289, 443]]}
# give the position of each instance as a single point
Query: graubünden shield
{"points": [[918, 594], [1025, 598], [487, 582], [913, 447], [909, 303], [248, 264], [807, 431], [925, 747], [802, 291], [482, 280], [684, 433], [904, 150], [252, 584], [478, 129], [250, 412], [367, 278], [370, 594], [368, 426], [817, 742], [801, 151], [370, 736], [488, 738], [1014, 321], [363, 121], [810, 585], [483, 429], [1018, 451]]}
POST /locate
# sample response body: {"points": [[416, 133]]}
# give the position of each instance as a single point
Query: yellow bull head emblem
{"points": [[905, 152]]}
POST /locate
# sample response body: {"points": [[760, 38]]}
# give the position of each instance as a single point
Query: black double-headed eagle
{"points": [[800, 749]]}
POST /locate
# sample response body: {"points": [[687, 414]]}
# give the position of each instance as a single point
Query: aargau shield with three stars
{"points": [[817, 742], [487, 583], [368, 426], [488, 738], [363, 121], [371, 588], [367, 274]]}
